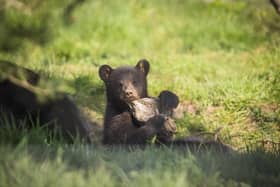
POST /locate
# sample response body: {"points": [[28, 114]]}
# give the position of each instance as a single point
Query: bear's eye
{"points": [[134, 82], [120, 84]]}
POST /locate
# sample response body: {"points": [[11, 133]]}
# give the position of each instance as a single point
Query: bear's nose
{"points": [[128, 93]]}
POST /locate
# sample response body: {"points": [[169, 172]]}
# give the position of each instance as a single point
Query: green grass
{"points": [[221, 56], [82, 165]]}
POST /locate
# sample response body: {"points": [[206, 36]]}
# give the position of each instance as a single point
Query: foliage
{"points": [[221, 56]]}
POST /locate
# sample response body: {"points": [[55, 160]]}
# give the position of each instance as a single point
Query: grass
{"points": [[84, 165], [220, 56]]}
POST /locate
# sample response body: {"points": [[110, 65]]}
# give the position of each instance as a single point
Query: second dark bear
{"points": [[19, 96], [125, 84]]}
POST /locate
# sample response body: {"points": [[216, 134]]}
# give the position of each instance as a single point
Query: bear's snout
{"points": [[128, 92]]}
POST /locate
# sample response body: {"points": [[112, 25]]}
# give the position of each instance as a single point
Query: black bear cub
{"points": [[128, 84], [123, 85]]}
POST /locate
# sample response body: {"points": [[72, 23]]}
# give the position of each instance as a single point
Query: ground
{"points": [[222, 59]]}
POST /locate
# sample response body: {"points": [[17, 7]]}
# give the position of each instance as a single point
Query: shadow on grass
{"points": [[190, 125], [254, 168], [90, 98], [89, 94], [26, 130], [264, 17]]}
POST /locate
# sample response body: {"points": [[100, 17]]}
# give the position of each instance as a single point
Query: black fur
{"points": [[119, 125], [18, 96]]}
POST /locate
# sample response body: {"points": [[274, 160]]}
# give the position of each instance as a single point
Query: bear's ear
{"points": [[144, 66], [104, 72]]}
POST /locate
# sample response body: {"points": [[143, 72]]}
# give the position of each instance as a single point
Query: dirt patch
{"points": [[185, 107], [213, 109], [269, 108]]}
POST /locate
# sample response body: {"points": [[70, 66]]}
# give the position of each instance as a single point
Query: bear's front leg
{"points": [[164, 127], [121, 130], [167, 131]]}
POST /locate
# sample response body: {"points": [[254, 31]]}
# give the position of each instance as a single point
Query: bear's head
{"points": [[126, 83]]}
